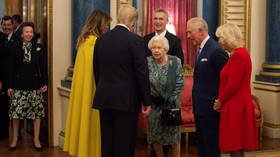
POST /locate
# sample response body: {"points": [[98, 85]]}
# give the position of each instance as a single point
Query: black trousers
{"points": [[4, 116], [118, 133], [207, 131]]}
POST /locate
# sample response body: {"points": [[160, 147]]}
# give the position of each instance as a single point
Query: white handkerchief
{"points": [[204, 60]]}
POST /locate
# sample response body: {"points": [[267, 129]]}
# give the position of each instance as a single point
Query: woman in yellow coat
{"points": [[82, 133]]}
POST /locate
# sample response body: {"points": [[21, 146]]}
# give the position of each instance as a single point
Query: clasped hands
{"points": [[145, 110]]}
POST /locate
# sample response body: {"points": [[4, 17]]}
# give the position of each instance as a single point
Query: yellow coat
{"points": [[82, 132]]}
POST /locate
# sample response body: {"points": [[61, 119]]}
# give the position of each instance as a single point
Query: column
{"points": [[211, 15], [13, 7], [271, 67], [267, 84]]}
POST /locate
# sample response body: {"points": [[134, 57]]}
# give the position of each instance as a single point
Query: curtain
{"points": [[179, 12]]}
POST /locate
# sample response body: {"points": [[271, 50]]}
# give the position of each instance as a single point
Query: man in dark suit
{"points": [[210, 60], [160, 19], [122, 85], [6, 39], [17, 21]]}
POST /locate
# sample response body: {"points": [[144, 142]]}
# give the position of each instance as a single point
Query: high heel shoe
{"points": [[39, 149], [12, 148]]}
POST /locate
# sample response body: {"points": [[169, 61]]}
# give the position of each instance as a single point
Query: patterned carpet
{"points": [[260, 153]]}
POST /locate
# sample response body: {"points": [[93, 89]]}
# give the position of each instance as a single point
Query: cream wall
{"points": [[113, 13], [61, 58], [257, 36]]}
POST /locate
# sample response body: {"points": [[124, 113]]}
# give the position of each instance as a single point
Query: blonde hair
{"points": [[231, 34], [93, 25], [127, 15], [160, 39]]}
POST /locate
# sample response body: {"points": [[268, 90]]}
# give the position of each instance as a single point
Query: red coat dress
{"points": [[238, 130]]}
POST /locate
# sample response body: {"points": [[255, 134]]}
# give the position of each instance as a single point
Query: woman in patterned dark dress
{"points": [[27, 81], [158, 63]]}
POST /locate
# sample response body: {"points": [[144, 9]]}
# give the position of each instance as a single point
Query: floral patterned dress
{"points": [[27, 74], [165, 135]]}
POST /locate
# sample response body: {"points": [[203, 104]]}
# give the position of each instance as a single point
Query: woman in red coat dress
{"points": [[238, 129]]}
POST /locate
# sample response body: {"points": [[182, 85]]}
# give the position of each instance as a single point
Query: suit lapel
{"points": [[202, 53]]}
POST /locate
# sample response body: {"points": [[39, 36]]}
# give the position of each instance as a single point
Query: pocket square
{"points": [[204, 60]]}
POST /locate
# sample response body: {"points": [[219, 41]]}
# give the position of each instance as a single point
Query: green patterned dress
{"points": [[165, 135]]}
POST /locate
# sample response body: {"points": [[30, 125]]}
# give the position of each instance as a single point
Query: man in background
{"points": [[160, 19], [17, 20], [6, 38], [7, 27]]}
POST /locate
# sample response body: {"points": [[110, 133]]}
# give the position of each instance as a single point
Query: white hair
{"points": [[160, 39]]}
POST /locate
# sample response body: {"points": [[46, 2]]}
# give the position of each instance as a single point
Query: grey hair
{"points": [[160, 39], [161, 10], [199, 23]]}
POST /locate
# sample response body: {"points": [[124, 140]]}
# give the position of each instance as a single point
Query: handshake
{"points": [[157, 100]]}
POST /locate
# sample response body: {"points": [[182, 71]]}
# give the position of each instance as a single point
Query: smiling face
{"points": [[27, 33], [159, 21], [7, 26]]}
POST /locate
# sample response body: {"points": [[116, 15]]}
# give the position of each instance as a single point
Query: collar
{"points": [[161, 34], [10, 36], [203, 42], [121, 24]]}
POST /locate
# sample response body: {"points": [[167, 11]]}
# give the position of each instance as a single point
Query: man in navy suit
{"points": [[122, 85], [160, 19], [210, 60]]}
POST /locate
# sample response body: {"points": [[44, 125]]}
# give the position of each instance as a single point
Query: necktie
{"points": [[198, 53]]}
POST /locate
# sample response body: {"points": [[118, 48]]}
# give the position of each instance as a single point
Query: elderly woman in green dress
{"points": [[158, 63]]}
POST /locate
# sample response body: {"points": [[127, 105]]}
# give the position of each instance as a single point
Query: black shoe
{"points": [[39, 149], [12, 148]]}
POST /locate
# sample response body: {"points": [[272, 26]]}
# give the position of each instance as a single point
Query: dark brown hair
{"points": [[26, 24]]}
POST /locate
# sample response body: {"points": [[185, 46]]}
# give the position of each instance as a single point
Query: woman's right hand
{"points": [[217, 105], [10, 92]]}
